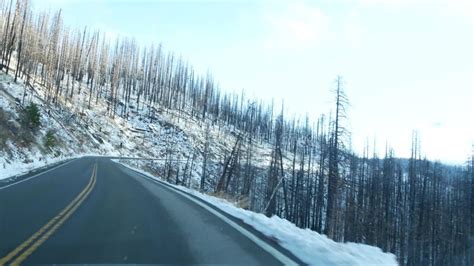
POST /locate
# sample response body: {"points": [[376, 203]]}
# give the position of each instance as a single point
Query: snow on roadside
{"points": [[309, 246], [16, 168]]}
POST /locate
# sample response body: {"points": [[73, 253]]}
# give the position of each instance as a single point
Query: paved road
{"points": [[92, 210]]}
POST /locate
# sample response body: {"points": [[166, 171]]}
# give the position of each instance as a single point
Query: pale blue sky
{"points": [[407, 64]]}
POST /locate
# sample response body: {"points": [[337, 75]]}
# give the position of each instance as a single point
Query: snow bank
{"points": [[307, 245], [17, 167]]}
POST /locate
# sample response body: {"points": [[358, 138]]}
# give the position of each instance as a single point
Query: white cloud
{"points": [[454, 7], [399, 2], [297, 25]]}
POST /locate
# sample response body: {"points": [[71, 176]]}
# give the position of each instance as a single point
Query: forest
{"points": [[420, 210]]}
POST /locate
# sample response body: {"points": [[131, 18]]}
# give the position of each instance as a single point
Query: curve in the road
{"points": [[111, 214]]}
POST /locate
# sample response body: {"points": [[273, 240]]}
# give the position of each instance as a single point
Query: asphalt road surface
{"points": [[95, 211]]}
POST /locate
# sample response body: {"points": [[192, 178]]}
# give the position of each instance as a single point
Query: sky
{"points": [[406, 64]]}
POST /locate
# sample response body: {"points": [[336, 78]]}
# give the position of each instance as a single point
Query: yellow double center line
{"points": [[22, 252]]}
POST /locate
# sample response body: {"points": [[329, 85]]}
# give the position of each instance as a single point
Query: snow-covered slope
{"points": [[79, 131]]}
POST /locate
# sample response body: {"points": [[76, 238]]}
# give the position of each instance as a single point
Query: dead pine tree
{"points": [[232, 162], [334, 158], [205, 158], [229, 166], [276, 173]]}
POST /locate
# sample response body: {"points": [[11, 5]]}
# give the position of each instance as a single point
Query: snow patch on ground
{"points": [[38, 161], [18, 167], [309, 246]]}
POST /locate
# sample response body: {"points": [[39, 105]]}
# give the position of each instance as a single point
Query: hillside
{"points": [[67, 93], [79, 132]]}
